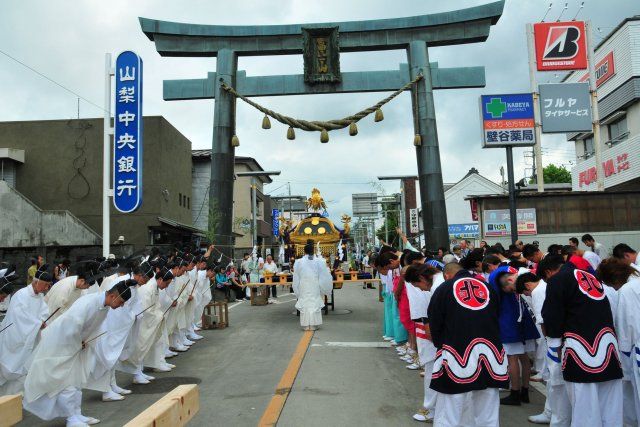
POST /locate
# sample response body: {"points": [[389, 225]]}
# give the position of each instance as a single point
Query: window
{"points": [[618, 131], [188, 202], [587, 144], [180, 199]]}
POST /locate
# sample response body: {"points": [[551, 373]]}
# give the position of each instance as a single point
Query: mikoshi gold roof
{"points": [[315, 227]]}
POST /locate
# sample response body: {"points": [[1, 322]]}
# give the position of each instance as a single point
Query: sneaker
{"points": [[393, 342], [119, 390], [139, 379], [187, 342], [162, 369], [110, 396], [181, 348], [169, 365], [194, 337], [424, 416], [542, 418], [386, 338], [169, 354], [407, 358], [524, 395], [414, 366], [401, 352]]}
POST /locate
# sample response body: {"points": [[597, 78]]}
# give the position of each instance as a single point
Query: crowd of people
{"points": [[65, 332], [475, 321]]}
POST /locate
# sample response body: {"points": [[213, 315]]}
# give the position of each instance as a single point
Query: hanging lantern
{"points": [[324, 136], [353, 129], [266, 123], [379, 116], [417, 140], [235, 141], [291, 134]]}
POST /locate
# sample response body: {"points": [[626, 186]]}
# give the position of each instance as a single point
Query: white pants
{"points": [[430, 394], [559, 405], [479, 408], [64, 404], [596, 404]]}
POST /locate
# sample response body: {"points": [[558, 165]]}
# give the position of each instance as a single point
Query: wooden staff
{"points": [[176, 300], [94, 338], [6, 327], [51, 315], [145, 309]]}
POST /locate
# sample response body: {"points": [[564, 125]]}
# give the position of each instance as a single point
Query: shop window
{"points": [[587, 145]]}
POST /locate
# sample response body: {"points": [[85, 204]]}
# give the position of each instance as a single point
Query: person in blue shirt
{"points": [[517, 332]]}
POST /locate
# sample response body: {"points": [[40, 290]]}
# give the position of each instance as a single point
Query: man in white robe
{"points": [[311, 281], [190, 305], [66, 357], [202, 294], [21, 328], [150, 320], [120, 326], [628, 328], [175, 320], [65, 293]]}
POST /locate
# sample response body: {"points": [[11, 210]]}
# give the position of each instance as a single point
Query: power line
{"points": [[51, 80]]}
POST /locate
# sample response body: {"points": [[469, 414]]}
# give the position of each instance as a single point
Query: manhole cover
{"points": [[163, 385]]}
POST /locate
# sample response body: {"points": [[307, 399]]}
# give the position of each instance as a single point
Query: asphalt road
{"points": [[347, 377]]}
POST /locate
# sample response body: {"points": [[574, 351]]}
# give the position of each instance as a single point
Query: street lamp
{"points": [[254, 199], [402, 178]]}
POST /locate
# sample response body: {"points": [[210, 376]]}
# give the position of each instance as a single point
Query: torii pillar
{"points": [[414, 34]]}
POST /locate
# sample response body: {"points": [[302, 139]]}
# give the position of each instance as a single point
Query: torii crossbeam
{"points": [[414, 34]]}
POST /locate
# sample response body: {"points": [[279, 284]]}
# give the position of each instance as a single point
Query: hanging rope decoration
{"points": [[317, 125]]}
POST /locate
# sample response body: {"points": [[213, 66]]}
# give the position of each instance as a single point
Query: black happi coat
{"points": [[463, 318], [577, 311]]}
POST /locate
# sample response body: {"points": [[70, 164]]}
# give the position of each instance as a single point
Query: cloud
{"points": [[67, 39]]}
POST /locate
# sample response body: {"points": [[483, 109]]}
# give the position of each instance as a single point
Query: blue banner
{"points": [[127, 136], [464, 231], [275, 214]]}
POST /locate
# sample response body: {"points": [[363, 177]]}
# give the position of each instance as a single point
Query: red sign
{"points": [[560, 45], [474, 209], [605, 69], [610, 167]]}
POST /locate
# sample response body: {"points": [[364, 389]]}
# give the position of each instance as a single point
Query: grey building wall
{"points": [[63, 171]]}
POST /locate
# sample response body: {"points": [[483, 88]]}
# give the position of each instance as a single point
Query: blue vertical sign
{"points": [[127, 137], [275, 214]]}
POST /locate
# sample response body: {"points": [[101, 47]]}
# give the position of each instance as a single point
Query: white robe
{"points": [[203, 296], [119, 325], [190, 290], [27, 310], [59, 362], [311, 280], [62, 295], [150, 328], [627, 320]]}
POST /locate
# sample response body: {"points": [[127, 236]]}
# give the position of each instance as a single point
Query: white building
{"points": [[463, 222], [617, 64]]}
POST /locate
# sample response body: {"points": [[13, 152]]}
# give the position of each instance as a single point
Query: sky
{"points": [[66, 40]]}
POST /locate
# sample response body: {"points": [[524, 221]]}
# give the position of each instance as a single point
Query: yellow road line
{"points": [[276, 405]]}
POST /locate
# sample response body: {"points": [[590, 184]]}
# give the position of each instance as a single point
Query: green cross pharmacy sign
{"points": [[507, 120]]}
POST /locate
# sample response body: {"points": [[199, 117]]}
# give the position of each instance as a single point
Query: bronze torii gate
{"points": [[322, 75]]}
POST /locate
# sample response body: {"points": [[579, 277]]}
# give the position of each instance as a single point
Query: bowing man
{"points": [[20, 329], [66, 356]]}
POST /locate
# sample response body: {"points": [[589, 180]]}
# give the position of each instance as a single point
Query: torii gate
{"points": [[414, 34]]}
